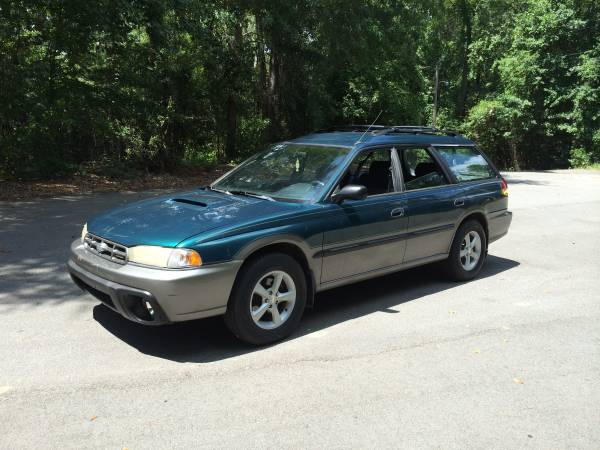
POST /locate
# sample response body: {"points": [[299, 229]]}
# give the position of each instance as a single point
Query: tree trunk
{"points": [[273, 97], [466, 37], [232, 98], [261, 63], [269, 79], [515, 155], [232, 124]]}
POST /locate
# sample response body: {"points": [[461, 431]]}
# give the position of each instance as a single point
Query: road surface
{"points": [[510, 360]]}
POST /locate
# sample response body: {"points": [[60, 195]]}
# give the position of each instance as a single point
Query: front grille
{"points": [[105, 248]]}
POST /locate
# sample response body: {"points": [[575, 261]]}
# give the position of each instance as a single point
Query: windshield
{"points": [[293, 172]]}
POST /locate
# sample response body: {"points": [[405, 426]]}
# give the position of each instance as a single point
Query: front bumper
{"points": [[154, 296]]}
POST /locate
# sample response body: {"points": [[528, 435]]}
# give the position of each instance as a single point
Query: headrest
{"points": [[424, 168], [379, 169]]}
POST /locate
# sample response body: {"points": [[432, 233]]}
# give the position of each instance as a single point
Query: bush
{"points": [[486, 125], [579, 158]]}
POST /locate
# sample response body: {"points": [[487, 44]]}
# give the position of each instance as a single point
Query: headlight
{"points": [[83, 233], [171, 258]]}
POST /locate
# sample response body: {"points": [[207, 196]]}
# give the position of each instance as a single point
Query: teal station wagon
{"points": [[324, 210]]}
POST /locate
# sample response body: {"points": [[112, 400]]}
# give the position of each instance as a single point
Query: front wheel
{"points": [[468, 252], [268, 300]]}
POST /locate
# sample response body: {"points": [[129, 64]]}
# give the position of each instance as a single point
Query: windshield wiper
{"points": [[217, 190], [252, 194], [240, 192]]}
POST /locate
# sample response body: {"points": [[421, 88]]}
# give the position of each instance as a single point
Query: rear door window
{"points": [[466, 163], [420, 170]]}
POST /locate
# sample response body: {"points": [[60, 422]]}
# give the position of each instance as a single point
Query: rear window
{"points": [[466, 163]]}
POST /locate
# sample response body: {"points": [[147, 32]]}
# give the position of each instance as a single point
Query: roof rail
{"points": [[389, 129], [411, 129], [355, 128]]}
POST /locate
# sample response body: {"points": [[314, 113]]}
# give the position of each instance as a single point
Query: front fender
{"points": [[308, 239], [313, 262], [259, 243], [241, 247]]}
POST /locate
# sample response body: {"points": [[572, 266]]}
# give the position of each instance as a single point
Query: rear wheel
{"points": [[468, 252], [268, 300]]}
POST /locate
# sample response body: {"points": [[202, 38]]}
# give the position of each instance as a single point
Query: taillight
{"points": [[504, 187]]}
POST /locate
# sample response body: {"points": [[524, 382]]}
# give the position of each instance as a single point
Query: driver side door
{"points": [[367, 235]]}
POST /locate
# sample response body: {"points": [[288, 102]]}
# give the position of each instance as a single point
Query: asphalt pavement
{"points": [[509, 360]]}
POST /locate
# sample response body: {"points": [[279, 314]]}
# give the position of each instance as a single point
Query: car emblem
{"points": [[103, 247]]}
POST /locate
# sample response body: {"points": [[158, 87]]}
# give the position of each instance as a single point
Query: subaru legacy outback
{"points": [[321, 211]]}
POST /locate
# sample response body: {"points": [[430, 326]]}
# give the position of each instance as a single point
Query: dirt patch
{"points": [[22, 190]]}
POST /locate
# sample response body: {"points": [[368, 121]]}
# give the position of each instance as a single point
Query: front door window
{"points": [[372, 169]]}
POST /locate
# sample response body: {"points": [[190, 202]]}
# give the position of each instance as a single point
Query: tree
{"points": [[125, 86]]}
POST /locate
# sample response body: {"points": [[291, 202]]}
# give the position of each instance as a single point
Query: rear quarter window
{"points": [[466, 163]]}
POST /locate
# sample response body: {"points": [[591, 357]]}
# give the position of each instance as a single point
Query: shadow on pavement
{"points": [[34, 247], [35, 239], [209, 340]]}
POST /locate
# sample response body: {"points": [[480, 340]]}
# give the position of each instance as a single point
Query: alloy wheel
{"points": [[272, 300], [470, 250]]}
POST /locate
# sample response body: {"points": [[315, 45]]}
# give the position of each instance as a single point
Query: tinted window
{"points": [[420, 170], [466, 163], [371, 169]]}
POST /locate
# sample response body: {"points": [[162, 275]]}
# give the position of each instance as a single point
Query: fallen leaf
{"points": [[518, 381], [4, 389], [78, 183], [93, 418], [476, 351]]}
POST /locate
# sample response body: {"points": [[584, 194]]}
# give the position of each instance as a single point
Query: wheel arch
{"points": [[289, 247], [479, 217]]}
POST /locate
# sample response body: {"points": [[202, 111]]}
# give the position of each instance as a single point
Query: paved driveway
{"points": [[510, 360]]}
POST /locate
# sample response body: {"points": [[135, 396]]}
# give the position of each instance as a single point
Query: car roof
{"points": [[356, 138]]}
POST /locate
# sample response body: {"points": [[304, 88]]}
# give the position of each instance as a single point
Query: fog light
{"points": [[149, 308], [83, 233]]}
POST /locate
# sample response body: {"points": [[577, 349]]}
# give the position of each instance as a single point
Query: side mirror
{"points": [[350, 192]]}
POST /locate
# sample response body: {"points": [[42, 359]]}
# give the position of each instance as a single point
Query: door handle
{"points": [[459, 201], [397, 212]]}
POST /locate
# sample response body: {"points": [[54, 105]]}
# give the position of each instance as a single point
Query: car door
{"points": [[433, 204], [369, 234]]}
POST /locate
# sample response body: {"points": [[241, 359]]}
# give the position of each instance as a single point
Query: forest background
{"points": [[124, 87]]}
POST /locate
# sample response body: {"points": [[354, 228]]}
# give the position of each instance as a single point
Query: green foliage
{"points": [[579, 158], [153, 84], [486, 124], [499, 126]]}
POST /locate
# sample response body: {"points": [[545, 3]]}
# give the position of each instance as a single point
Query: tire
{"points": [[460, 265], [248, 299]]}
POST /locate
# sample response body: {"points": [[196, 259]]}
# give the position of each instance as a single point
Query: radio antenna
{"points": [[367, 130]]}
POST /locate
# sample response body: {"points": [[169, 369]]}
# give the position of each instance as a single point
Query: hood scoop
{"points": [[189, 202]]}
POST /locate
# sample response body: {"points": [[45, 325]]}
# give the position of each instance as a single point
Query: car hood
{"points": [[166, 221]]}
